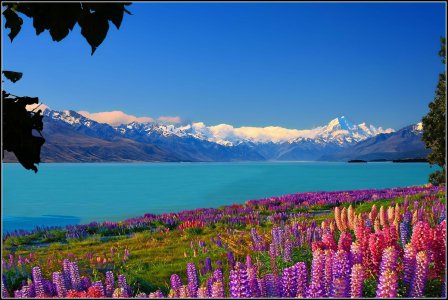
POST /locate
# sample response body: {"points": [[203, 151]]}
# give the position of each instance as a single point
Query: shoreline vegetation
{"points": [[403, 160], [360, 243]]}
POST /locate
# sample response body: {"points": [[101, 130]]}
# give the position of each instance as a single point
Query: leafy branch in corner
{"points": [[59, 19], [20, 125]]}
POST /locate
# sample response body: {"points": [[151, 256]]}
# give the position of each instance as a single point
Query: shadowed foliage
{"points": [[434, 125], [59, 19]]}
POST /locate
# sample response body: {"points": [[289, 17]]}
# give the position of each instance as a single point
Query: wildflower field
{"points": [[364, 243]]}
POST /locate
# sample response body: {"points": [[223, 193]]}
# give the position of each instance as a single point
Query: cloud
{"points": [[169, 119], [270, 133], [115, 117]]}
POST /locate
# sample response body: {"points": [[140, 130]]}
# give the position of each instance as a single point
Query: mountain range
{"points": [[72, 137]]}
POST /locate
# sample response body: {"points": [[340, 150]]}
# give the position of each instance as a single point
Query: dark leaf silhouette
{"points": [[13, 22], [19, 124], [12, 76], [94, 28], [60, 18]]}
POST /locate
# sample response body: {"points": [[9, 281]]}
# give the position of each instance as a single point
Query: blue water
{"points": [[61, 194]]}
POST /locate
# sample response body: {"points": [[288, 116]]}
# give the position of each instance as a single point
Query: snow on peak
{"points": [[418, 126], [37, 106]]}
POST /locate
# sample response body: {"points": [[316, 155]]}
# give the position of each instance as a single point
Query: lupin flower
{"points": [[383, 216], [262, 287], [404, 233], [376, 246], [328, 271], [351, 217], [58, 281], [193, 282], [239, 284], [356, 253], [390, 215], [217, 275], [110, 283], [183, 292], [217, 290], [208, 265], [388, 284], [230, 260], [337, 218], [341, 273], [345, 241], [176, 283], [438, 248], [421, 235], [397, 217], [420, 275], [37, 280], [272, 256], [302, 279], [329, 242], [118, 293], [202, 292], [316, 288], [74, 276], [287, 252], [389, 259], [344, 221], [289, 282], [271, 285], [373, 213], [357, 280]]}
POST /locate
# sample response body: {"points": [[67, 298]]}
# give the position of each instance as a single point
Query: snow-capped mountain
{"points": [[338, 131], [71, 136]]}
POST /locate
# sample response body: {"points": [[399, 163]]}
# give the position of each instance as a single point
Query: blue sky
{"points": [[295, 65]]}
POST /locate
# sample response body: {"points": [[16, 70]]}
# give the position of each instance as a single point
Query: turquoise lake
{"points": [[61, 194]]}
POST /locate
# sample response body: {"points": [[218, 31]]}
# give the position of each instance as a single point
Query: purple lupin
{"points": [[239, 284], [302, 279], [341, 274], [388, 281], [74, 276], [316, 287], [262, 287], [289, 282], [58, 280], [176, 283], [230, 260], [110, 283], [217, 290], [193, 282], [37, 281]]}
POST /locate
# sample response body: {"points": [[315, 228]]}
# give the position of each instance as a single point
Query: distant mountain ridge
{"points": [[72, 137]]}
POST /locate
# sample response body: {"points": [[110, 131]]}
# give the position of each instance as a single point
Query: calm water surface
{"points": [[61, 194]]}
